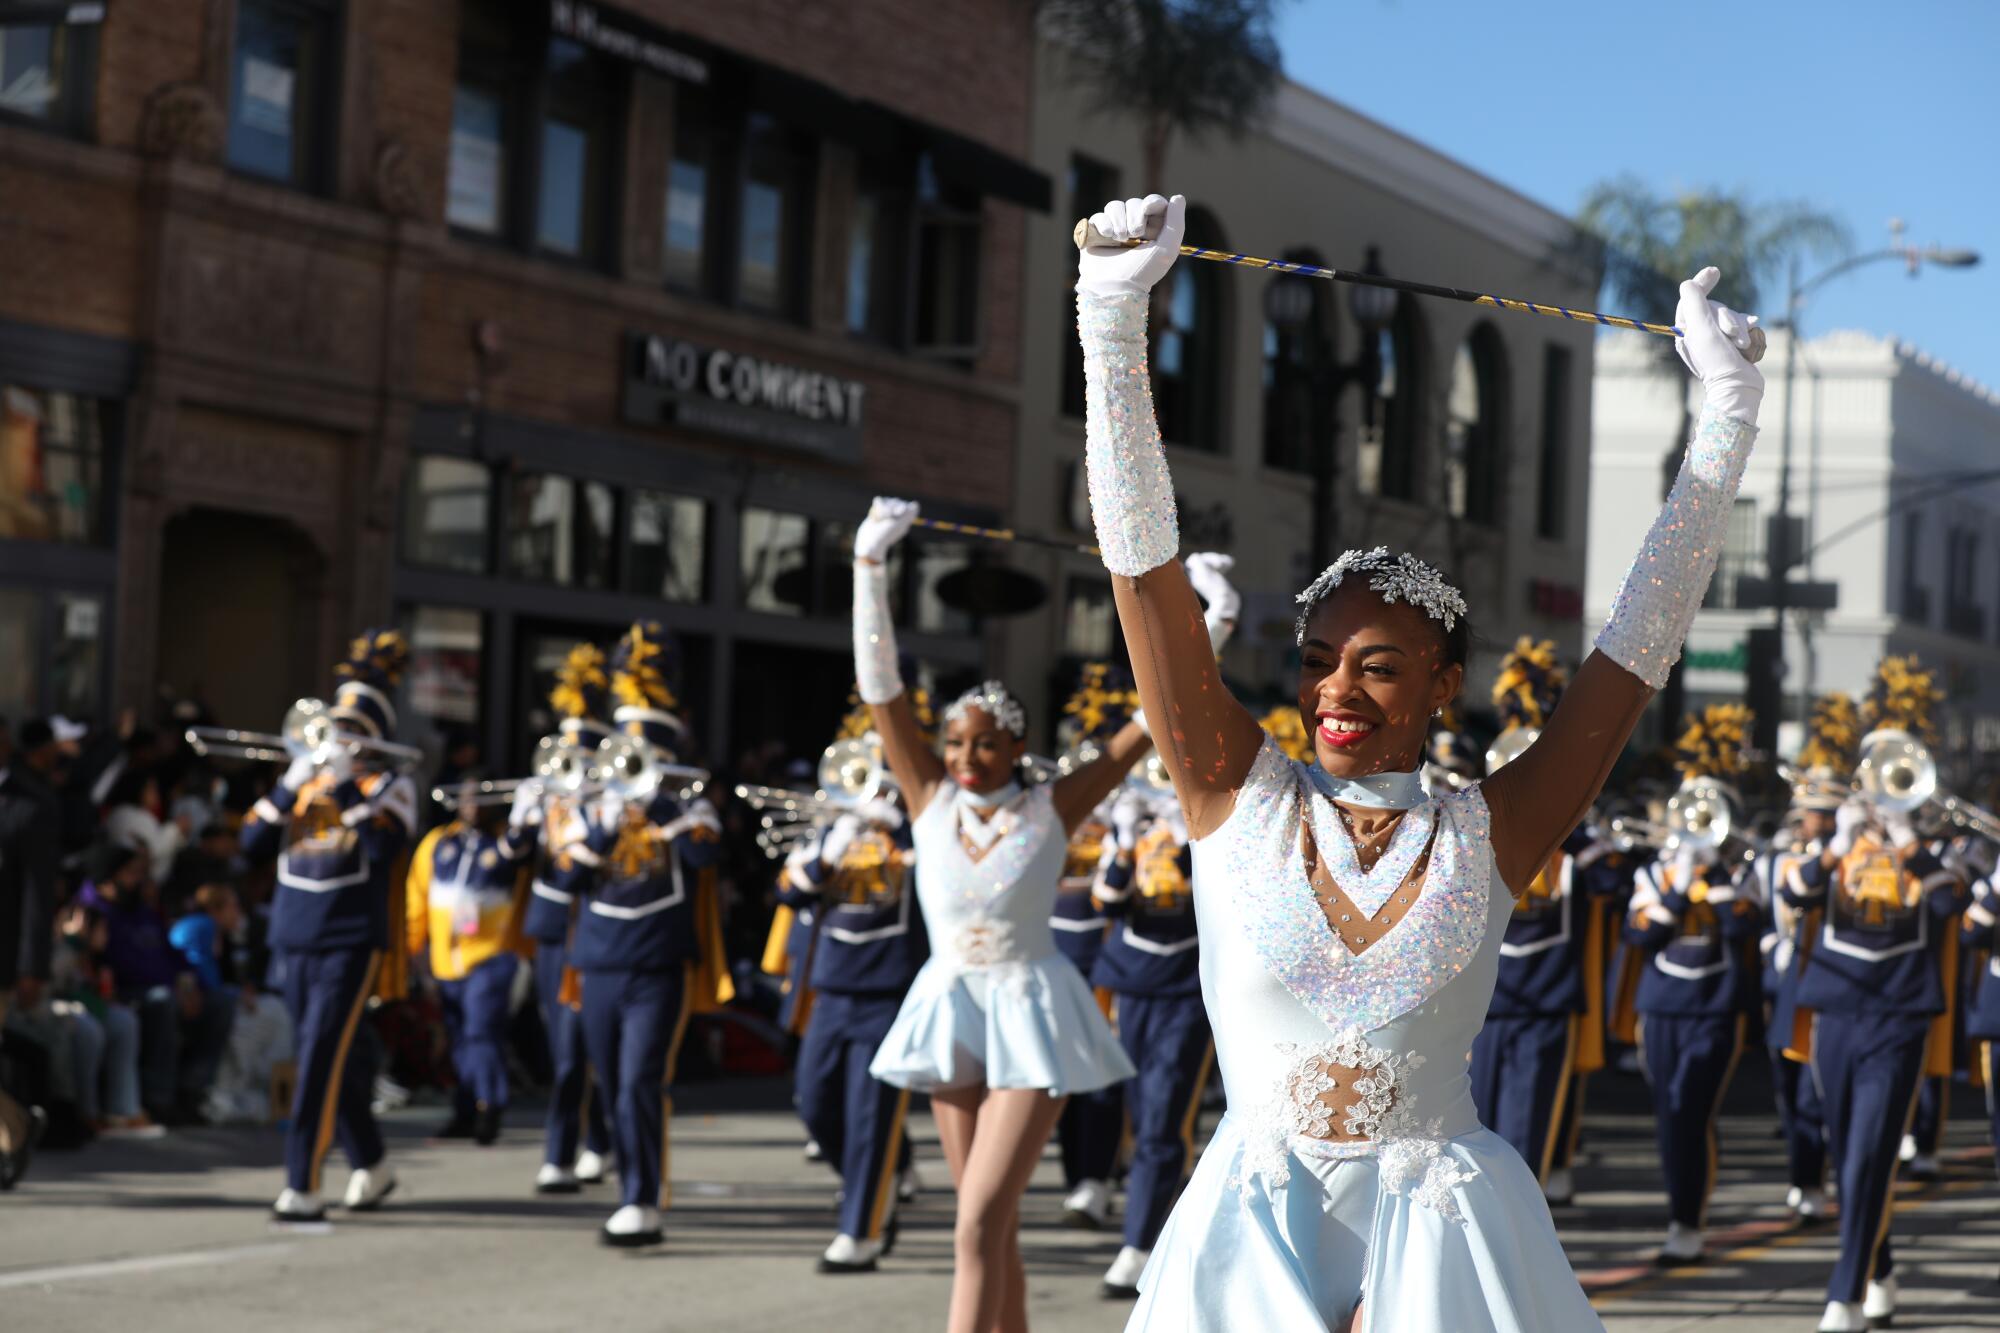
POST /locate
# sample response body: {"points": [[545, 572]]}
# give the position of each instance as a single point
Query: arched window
{"points": [[1188, 347], [1388, 463], [1298, 349], [1475, 420]]}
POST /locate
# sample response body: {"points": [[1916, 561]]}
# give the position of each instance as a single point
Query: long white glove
{"points": [[1208, 571], [876, 673], [1131, 493], [1711, 344]]}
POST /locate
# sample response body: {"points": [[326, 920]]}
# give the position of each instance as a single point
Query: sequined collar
{"points": [[1378, 791]]}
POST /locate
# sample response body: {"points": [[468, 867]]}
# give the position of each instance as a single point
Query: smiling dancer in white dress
{"points": [[1350, 925], [998, 1027]]}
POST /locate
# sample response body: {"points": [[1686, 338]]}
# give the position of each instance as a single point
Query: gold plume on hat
{"points": [[1901, 697], [1712, 745], [1289, 730], [1529, 684], [581, 683], [1098, 705], [859, 722], [1833, 734], [378, 653], [637, 679]]}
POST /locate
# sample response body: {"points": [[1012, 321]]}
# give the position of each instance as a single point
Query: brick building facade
{"points": [[508, 321]]}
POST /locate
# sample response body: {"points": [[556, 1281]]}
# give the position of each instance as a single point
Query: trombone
{"points": [[851, 773], [1899, 775], [635, 770], [308, 732], [562, 767]]}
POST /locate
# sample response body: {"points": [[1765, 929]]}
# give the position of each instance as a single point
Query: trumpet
{"points": [[561, 766], [851, 773], [1698, 815], [306, 733], [634, 770], [1899, 775]]}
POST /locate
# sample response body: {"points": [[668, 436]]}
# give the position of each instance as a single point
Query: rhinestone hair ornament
{"points": [[997, 702], [1394, 578]]}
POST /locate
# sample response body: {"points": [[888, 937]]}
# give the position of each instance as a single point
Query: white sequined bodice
{"points": [[1287, 999], [995, 910]]}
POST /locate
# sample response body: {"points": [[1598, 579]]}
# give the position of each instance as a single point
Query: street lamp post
{"points": [[1783, 551], [1289, 303]]}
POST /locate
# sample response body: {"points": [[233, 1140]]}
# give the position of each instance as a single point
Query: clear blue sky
{"points": [[1870, 110]]}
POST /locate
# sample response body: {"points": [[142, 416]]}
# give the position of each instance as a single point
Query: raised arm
{"points": [[1207, 738], [1540, 797], [1077, 794], [877, 674]]}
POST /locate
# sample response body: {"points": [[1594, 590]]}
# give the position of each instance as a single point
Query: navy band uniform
{"points": [[1093, 1123]]}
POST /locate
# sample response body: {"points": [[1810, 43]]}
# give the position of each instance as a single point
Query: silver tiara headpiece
{"points": [[1394, 578], [997, 702]]}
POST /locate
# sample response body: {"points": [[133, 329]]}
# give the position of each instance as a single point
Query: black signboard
{"points": [[672, 382]]}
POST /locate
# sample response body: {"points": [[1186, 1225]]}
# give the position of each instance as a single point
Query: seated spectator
{"points": [[211, 859], [213, 939], [105, 1035], [134, 816]]}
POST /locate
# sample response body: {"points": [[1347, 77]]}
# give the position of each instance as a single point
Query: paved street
{"points": [[171, 1236]]}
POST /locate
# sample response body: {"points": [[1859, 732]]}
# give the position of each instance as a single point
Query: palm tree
{"points": [[1182, 66]]}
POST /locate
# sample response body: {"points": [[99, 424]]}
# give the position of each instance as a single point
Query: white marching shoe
{"points": [[1810, 1205], [1878, 1306], [1907, 1152], [633, 1225], [1560, 1187], [591, 1167], [367, 1188], [1843, 1317], [1122, 1278], [1088, 1205], [553, 1179], [848, 1255], [1682, 1246], [298, 1206]]}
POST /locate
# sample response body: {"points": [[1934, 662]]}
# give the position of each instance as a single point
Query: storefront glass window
{"points": [[76, 666], [20, 630], [560, 530], [1090, 620], [833, 570], [447, 648], [276, 88], [51, 467], [935, 562], [669, 548], [478, 160], [445, 516], [775, 553]]}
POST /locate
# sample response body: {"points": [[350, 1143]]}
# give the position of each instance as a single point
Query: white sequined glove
{"points": [[1108, 270], [888, 522], [1712, 343], [1208, 571]]}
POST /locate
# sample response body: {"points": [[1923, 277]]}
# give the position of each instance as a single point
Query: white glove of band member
{"points": [[526, 810], [1713, 340], [340, 763], [1848, 821], [1208, 571], [838, 839], [1115, 270], [1902, 833], [298, 773], [883, 813], [1126, 816], [889, 521]]}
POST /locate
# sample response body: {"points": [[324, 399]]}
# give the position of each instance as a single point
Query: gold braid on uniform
{"points": [[581, 684], [639, 682], [1712, 745], [1288, 729], [1833, 735], [1901, 697], [1529, 684], [380, 654]]}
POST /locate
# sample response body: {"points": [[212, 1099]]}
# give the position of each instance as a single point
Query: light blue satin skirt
{"points": [[1016, 1025], [1300, 1256]]}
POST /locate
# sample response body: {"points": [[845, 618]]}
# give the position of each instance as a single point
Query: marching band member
{"points": [[648, 937], [339, 826], [1151, 965], [871, 944], [462, 902], [1545, 1022], [550, 823], [998, 1027], [1875, 990], [1693, 921], [1982, 945]]}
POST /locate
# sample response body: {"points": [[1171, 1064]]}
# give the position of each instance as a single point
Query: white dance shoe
{"points": [[1087, 1206], [633, 1226], [590, 1167], [1878, 1305], [1682, 1245], [1843, 1317], [1560, 1187], [298, 1206], [367, 1188], [553, 1179], [1121, 1280], [848, 1255]]}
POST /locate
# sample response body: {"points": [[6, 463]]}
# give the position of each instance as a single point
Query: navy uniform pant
{"points": [[1088, 1134], [633, 1023], [1801, 1120], [1868, 1067], [1521, 1066], [1988, 1053], [856, 1118], [1688, 1060], [1168, 1039], [573, 1112], [1927, 1125], [475, 1025], [325, 993]]}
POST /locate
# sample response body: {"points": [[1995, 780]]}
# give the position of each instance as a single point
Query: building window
{"points": [[1090, 184], [1475, 415], [877, 242], [51, 467], [1742, 556], [21, 631], [1962, 613], [690, 193], [668, 548], [949, 229], [46, 72], [76, 664], [1387, 463], [560, 530], [771, 219], [579, 124], [1296, 357], [445, 514], [477, 193], [1552, 503], [447, 663], [1188, 349], [775, 552], [1090, 620], [280, 90], [1916, 597]]}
